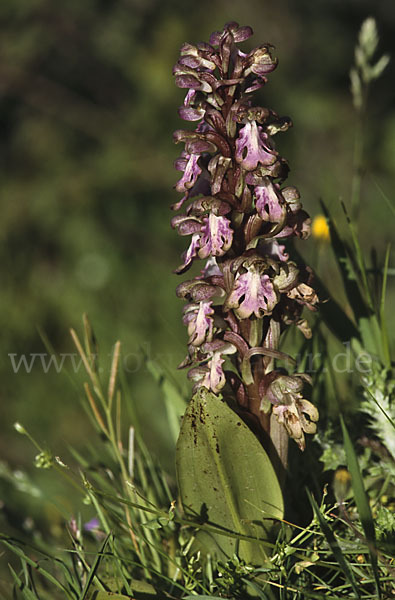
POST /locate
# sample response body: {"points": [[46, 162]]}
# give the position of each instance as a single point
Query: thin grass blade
{"points": [[331, 312], [384, 331], [334, 546], [93, 569], [28, 594], [362, 502], [347, 269], [174, 402], [38, 568]]}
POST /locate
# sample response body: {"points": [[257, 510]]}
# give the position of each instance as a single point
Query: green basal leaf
{"points": [[226, 478]]}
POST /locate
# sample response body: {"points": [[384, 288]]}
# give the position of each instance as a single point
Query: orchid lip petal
{"points": [[269, 203], [191, 174], [290, 407], [287, 277], [261, 61], [304, 294], [198, 318], [190, 253], [189, 96], [250, 148], [275, 250], [253, 293], [217, 236], [217, 375], [211, 268]]}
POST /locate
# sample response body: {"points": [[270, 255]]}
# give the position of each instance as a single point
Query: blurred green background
{"points": [[87, 110]]}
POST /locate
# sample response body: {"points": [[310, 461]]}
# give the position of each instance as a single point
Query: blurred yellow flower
{"points": [[320, 229], [341, 483]]}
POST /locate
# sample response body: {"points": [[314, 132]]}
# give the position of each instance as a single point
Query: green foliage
{"points": [[335, 548], [173, 399], [86, 176], [144, 546], [226, 478], [85, 153], [362, 503], [385, 523], [364, 72], [378, 403]]}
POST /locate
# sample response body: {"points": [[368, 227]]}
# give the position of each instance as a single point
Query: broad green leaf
{"points": [[226, 477]]}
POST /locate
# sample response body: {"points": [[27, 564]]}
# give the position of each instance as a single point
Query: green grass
{"points": [[107, 453]]}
